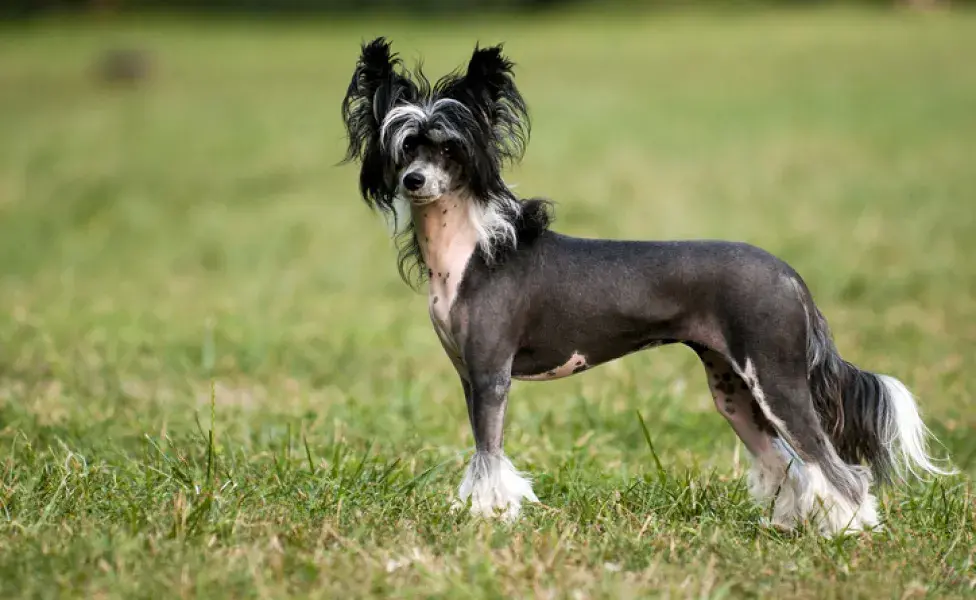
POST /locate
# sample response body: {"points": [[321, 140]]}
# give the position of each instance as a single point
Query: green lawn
{"points": [[187, 258]]}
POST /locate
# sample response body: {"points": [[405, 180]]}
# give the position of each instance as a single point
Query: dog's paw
{"points": [[494, 489]]}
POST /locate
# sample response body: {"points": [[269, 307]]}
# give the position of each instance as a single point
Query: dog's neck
{"points": [[447, 239]]}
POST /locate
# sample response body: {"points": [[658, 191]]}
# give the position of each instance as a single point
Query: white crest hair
{"points": [[406, 120], [493, 222]]}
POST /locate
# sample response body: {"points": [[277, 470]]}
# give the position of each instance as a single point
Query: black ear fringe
{"points": [[491, 84], [375, 69], [377, 84], [490, 66], [487, 88], [377, 60]]}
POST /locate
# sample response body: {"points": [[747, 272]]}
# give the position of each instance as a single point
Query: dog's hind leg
{"points": [[802, 474], [493, 485], [734, 401], [795, 470]]}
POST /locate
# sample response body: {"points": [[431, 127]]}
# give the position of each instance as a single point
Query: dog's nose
{"points": [[413, 181]]}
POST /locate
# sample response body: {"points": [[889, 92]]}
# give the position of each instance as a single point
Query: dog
{"points": [[509, 298]]}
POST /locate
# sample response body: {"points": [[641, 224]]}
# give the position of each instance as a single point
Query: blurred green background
{"points": [[172, 216], [361, 7]]}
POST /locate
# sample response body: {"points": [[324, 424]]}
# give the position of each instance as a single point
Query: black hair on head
{"points": [[377, 85], [487, 87]]}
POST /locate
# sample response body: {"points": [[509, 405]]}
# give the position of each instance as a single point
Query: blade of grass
{"points": [[647, 437]]}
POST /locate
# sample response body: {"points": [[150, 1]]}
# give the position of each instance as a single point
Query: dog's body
{"points": [[509, 298]]}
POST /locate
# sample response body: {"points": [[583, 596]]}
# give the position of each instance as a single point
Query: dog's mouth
{"points": [[421, 200]]}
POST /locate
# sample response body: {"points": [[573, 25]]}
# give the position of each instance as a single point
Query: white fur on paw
{"points": [[801, 493], [494, 488]]}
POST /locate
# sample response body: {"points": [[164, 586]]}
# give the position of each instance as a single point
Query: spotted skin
{"points": [[734, 400], [445, 250], [575, 364]]}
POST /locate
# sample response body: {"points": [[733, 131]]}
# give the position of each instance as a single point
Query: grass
{"points": [[212, 382]]}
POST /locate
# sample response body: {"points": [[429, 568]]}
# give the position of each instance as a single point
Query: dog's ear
{"points": [[489, 90], [489, 75], [378, 83]]}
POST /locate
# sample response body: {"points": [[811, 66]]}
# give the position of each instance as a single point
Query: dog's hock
{"points": [[494, 487]]}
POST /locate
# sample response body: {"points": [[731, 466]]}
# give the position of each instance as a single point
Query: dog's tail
{"points": [[870, 418]]}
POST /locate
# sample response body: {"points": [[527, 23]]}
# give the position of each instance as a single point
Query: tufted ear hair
{"points": [[378, 83], [488, 89], [489, 73]]}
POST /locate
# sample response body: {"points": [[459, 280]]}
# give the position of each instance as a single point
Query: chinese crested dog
{"points": [[510, 298]]}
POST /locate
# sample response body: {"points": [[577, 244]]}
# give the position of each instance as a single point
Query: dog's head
{"points": [[419, 142]]}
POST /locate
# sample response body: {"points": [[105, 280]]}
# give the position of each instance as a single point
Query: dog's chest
{"points": [[447, 240], [440, 300]]}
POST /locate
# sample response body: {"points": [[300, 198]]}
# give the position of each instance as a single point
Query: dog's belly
{"points": [[530, 365], [530, 370]]}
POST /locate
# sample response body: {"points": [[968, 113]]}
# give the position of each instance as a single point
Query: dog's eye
{"points": [[410, 144], [448, 152]]}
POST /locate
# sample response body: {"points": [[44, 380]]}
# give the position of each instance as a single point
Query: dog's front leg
{"points": [[491, 482]]}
